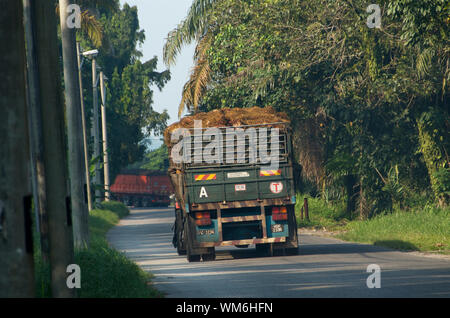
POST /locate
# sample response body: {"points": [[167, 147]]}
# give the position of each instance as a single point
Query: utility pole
{"points": [[35, 132], [104, 136], [58, 201], [83, 124], [16, 242], [95, 129], [72, 93]]}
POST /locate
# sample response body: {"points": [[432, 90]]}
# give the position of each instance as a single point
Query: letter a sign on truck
{"points": [[276, 187]]}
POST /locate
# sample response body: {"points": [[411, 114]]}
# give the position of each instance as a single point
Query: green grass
{"points": [[117, 207], [105, 272], [425, 229], [321, 214]]}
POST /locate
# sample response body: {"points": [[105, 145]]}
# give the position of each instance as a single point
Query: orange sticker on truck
{"points": [[267, 173], [204, 177]]}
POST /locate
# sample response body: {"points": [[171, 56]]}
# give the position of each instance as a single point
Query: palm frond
{"points": [[186, 99], [174, 43], [92, 27], [89, 23], [201, 77], [424, 62], [193, 27], [195, 88]]}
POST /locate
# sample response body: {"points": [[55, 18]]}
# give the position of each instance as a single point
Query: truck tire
{"points": [[191, 257], [292, 242], [179, 234], [210, 256]]}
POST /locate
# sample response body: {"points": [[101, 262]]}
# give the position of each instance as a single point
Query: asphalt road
{"points": [[324, 267]]}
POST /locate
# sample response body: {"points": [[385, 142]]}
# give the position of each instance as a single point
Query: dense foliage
{"points": [[369, 106], [130, 116]]}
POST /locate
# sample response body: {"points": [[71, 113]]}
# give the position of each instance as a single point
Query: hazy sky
{"points": [[157, 18]]}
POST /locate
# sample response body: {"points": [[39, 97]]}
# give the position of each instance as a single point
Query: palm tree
{"points": [[195, 87], [194, 27]]}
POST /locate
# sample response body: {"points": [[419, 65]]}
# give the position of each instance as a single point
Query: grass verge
{"points": [[105, 272], [321, 214], [425, 229]]}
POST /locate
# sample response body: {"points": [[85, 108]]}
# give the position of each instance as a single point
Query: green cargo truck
{"points": [[242, 203]]}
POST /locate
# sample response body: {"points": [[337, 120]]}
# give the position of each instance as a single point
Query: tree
{"points": [[131, 117], [157, 159], [131, 112], [356, 96], [425, 31]]}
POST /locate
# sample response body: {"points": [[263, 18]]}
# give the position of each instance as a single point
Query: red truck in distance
{"points": [[142, 188]]}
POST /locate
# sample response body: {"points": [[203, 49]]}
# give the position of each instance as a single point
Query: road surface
{"points": [[324, 267]]}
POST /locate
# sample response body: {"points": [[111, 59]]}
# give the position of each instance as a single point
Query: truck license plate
{"points": [[205, 232], [277, 228]]}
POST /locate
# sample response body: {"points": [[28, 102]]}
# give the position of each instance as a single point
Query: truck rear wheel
{"points": [[179, 233], [210, 256], [191, 257]]}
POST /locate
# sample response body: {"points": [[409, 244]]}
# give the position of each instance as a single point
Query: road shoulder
{"points": [[333, 235]]}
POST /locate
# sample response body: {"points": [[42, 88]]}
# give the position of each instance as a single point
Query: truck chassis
{"points": [[186, 231]]}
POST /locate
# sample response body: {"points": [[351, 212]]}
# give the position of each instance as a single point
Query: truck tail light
{"points": [[202, 218], [279, 213]]}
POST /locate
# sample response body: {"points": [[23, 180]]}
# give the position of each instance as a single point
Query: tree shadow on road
{"points": [[397, 244]]}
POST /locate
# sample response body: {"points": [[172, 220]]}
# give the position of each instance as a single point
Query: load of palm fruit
{"points": [[229, 117]]}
